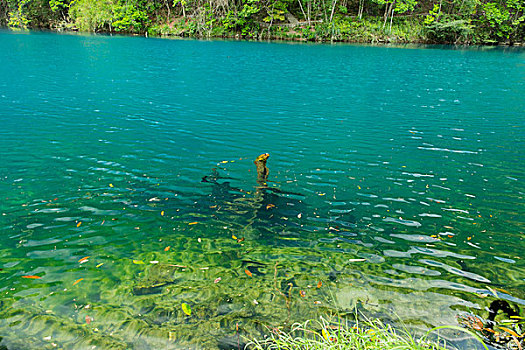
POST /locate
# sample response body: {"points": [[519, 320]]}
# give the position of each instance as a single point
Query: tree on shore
{"points": [[451, 21]]}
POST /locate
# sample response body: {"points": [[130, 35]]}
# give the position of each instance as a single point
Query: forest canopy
{"points": [[429, 21]]}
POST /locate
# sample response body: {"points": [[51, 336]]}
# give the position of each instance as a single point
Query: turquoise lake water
{"points": [[396, 187]]}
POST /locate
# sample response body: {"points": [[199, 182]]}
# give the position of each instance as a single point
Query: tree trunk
{"points": [[302, 10], [333, 10], [309, 11], [391, 15], [169, 10]]}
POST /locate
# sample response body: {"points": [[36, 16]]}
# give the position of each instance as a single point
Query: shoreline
{"points": [[284, 39]]}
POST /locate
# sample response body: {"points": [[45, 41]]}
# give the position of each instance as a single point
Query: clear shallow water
{"points": [[398, 176]]}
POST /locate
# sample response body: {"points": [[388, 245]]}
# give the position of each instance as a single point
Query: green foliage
{"points": [[58, 5], [243, 21], [112, 15], [454, 21], [18, 15], [402, 6], [432, 15], [129, 17], [449, 31], [343, 335]]}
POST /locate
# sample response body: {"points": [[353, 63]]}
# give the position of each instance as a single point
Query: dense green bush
{"points": [[455, 21]]}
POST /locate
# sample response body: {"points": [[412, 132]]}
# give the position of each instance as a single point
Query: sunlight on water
{"points": [[128, 187]]}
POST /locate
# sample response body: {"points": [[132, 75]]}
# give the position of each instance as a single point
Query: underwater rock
{"points": [[231, 343]]}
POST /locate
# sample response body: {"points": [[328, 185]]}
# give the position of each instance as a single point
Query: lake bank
{"points": [[403, 31], [358, 21]]}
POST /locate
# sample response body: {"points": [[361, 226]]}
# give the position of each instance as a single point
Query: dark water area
{"points": [[396, 187]]}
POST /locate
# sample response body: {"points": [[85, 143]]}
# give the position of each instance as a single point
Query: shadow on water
{"points": [[264, 209]]}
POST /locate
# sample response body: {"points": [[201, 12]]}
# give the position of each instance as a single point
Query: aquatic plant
{"points": [[359, 334]]}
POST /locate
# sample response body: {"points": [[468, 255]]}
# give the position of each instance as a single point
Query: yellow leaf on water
{"points": [[319, 284], [84, 259], [234, 237], [186, 308], [80, 279], [162, 213], [326, 335], [167, 248], [32, 277], [138, 262], [79, 223], [110, 185], [193, 223], [510, 331], [248, 272], [502, 290], [99, 265]]}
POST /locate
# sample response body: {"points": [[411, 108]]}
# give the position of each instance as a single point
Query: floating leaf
{"points": [[356, 260], [79, 223], [167, 248], [162, 213], [217, 280], [110, 185], [31, 276], [186, 308], [138, 262], [83, 260], [319, 284], [240, 240], [302, 293], [193, 223], [234, 236], [326, 335], [80, 279], [154, 262], [510, 331], [502, 290], [248, 272], [89, 319], [270, 206], [99, 265]]}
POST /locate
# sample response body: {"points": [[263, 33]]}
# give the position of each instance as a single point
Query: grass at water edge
{"points": [[360, 335]]}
